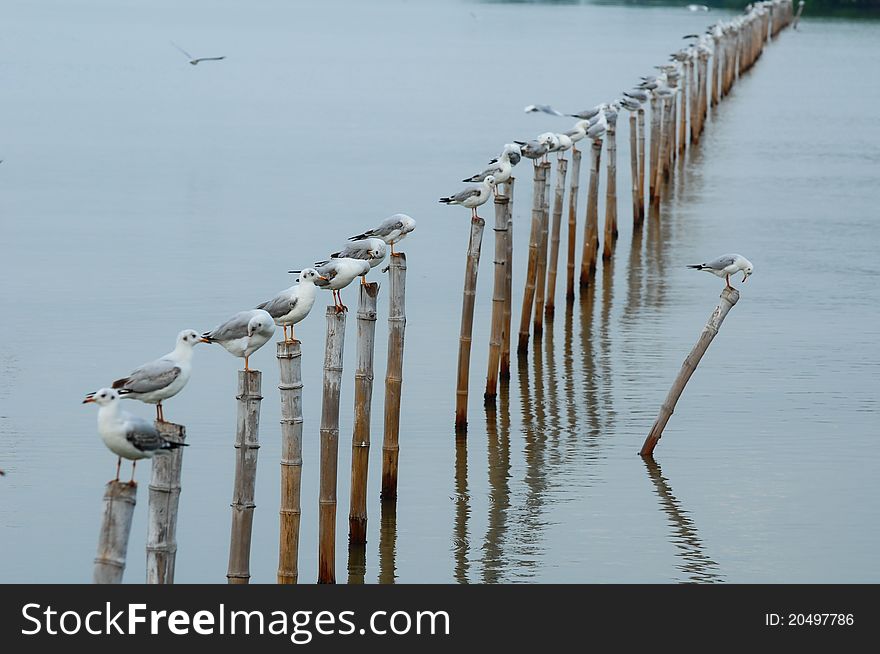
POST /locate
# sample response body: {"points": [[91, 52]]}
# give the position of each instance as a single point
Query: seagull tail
{"points": [[171, 445], [698, 266], [446, 200], [360, 237], [473, 178]]}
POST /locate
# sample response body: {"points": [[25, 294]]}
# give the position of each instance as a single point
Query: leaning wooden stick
{"points": [[532, 267], [290, 386], [729, 297], [363, 397], [164, 499], [498, 297], [558, 200], [247, 444], [468, 301], [504, 367], [119, 501], [572, 223]]}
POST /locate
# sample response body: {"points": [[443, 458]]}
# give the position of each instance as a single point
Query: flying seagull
{"points": [[545, 108], [727, 265], [195, 60]]}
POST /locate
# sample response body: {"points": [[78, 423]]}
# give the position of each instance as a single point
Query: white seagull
{"points": [[727, 265], [293, 304], [195, 60], [336, 274], [163, 378], [126, 435], [392, 230], [372, 250], [500, 168], [243, 334], [545, 108], [473, 196]]}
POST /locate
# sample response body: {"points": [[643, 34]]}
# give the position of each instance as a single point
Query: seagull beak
{"points": [[323, 279], [745, 278], [88, 399], [204, 340]]}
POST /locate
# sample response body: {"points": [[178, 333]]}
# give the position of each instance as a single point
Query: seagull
{"points": [[587, 114], [392, 230], [545, 108], [533, 149], [371, 250], [577, 133], [243, 334], [163, 378], [697, 8], [336, 274], [195, 60], [500, 168], [562, 143], [473, 196], [727, 265], [293, 304], [126, 435]]}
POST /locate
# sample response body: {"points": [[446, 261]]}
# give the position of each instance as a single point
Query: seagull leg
{"points": [[363, 280], [131, 481], [246, 364], [727, 277], [292, 337], [118, 465], [392, 250]]}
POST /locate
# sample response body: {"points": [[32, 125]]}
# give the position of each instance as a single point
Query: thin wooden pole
{"points": [[498, 297], [504, 367], [729, 297], [164, 498], [692, 99], [247, 444], [660, 156], [531, 270], [682, 130], [656, 115], [572, 222], [333, 351], [634, 168], [610, 193], [541, 274], [558, 201], [642, 162], [469, 294], [119, 500], [716, 67], [591, 231], [363, 397], [289, 355], [394, 374]]}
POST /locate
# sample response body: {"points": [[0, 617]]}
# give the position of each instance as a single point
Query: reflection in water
{"points": [[587, 304], [696, 564], [605, 346], [460, 542], [499, 487], [635, 278], [357, 562], [388, 542]]}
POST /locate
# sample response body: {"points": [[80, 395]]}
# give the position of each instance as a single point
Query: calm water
{"points": [[140, 195]]}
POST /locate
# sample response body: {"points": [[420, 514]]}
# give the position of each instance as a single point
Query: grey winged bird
{"points": [[195, 60], [392, 230], [727, 265], [243, 334]]}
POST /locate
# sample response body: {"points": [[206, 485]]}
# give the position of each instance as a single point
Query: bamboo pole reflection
{"points": [[498, 450], [461, 542], [606, 374], [588, 360], [388, 542], [696, 564], [357, 562]]}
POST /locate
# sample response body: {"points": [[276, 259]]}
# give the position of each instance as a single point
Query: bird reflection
{"points": [[388, 542], [460, 543]]}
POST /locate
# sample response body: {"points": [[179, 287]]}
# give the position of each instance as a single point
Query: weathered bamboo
{"points": [[558, 201], [692, 99], [572, 223], [164, 498], [247, 444], [642, 162], [659, 159], [498, 297], [504, 367], [541, 273], [363, 398], [532, 267], [394, 374], [333, 351], [591, 230], [289, 355], [472, 266], [682, 130], [119, 500], [656, 115], [716, 67], [634, 168], [729, 297], [672, 125], [610, 193]]}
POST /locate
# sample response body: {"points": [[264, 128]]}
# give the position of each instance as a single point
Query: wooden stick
{"points": [[610, 193], [472, 266], [119, 500], [541, 274], [289, 355], [394, 374], [247, 444], [716, 67], [591, 231], [641, 116], [363, 397], [164, 498], [682, 130], [333, 351], [729, 297], [498, 297], [656, 115], [634, 169], [507, 324], [558, 200], [659, 158], [531, 270], [572, 222]]}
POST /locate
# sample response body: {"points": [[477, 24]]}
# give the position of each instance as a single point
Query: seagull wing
{"points": [[235, 327], [195, 61], [721, 262], [279, 305], [149, 377], [143, 435], [188, 55]]}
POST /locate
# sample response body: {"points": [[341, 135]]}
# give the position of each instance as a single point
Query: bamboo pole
{"points": [[572, 222], [716, 66], [247, 444], [119, 500], [541, 274], [394, 374], [642, 161], [634, 169], [692, 99], [289, 355], [729, 297], [656, 114], [591, 231], [659, 159], [558, 201], [468, 299], [363, 397], [504, 367], [498, 298], [164, 498], [335, 343], [682, 128], [531, 270], [610, 193]]}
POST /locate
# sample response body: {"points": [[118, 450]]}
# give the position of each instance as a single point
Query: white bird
{"points": [[392, 230], [697, 8], [243, 334], [727, 265], [545, 108], [473, 196], [336, 274], [293, 304], [500, 168], [163, 378], [195, 60], [126, 435], [562, 143], [372, 250], [577, 133]]}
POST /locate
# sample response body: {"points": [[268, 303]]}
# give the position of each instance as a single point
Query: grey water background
{"points": [[140, 196]]}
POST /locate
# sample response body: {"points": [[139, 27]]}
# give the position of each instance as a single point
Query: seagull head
{"points": [[260, 322], [102, 397], [309, 275], [188, 338], [489, 181], [747, 269]]}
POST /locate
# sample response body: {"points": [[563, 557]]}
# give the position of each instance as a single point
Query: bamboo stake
{"points": [[656, 114], [558, 200], [119, 500], [729, 297], [642, 161], [394, 374], [682, 130], [634, 169], [591, 231], [504, 372], [472, 266], [531, 270], [572, 222], [610, 193], [716, 66], [164, 498], [692, 100], [289, 355], [660, 157], [247, 444], [335, 343], [498, 297], [541, 274], [363, 397]]}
